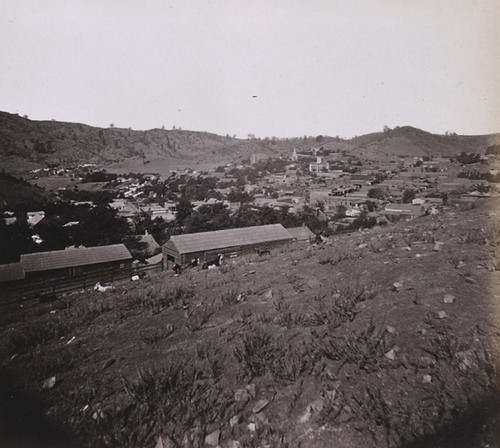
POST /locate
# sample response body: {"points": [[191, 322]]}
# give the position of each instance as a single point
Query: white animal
{"points": [[100, 288]]}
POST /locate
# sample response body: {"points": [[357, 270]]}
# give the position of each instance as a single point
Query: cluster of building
{"points": [[404, 188]]}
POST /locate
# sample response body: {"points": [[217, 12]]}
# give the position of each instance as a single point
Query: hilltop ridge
{"points": [[25, 142]]}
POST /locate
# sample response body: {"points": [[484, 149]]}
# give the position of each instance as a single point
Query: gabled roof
{"points": [[301, 233], [11, 271], [71, 257], [219, 239], [155, 259], [404, 209]]}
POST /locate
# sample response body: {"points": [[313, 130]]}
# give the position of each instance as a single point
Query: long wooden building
{"points": [[206, 246], [75, 261]]}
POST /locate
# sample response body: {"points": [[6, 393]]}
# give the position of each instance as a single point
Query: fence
{"points": [[64, 285]]}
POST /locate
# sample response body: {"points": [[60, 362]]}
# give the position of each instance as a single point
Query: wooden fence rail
{"points": [[68, 284]]}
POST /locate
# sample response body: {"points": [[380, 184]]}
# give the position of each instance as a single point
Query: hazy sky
{"points": [[266, 67]]}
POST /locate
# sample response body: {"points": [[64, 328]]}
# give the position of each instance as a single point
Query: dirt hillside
{"points": [[381, 338]]}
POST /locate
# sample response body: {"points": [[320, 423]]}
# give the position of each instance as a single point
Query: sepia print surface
{"points": [[249, 224]]}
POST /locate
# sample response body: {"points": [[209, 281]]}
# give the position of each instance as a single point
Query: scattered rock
{"points": [[165, 442], [437, 246], [362, 246], [252, 427], [49, 383], [213, 438], [234, 421], [449, 298], [98, 415], [71, 340], [233, 444], [242, 395], [261, 404], [470, 280], [460, 265], [442, 314], [397, 286], [261, 417], [391, 330], [251, 389], [426, 379], [465, 360], [305, 418], [268, 294], [391, 354]]}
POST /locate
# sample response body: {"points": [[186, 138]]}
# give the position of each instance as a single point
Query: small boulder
{"points": [[397, 286], [165, 442], [441, 314], [449, 298], [49, 383], [213, 438], [242, 395], [466, 360], [391, 354], [233, 444], [251, 389], [437, 246], [261, 404], [234, 421], [426, 379]]}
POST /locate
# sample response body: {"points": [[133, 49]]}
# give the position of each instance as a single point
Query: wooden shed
{"points": [[75, 261], [302, 233], [206, 246], [11, 273]]}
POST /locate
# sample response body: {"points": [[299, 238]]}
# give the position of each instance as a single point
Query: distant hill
{"points": [[409, 141], [26, 143]]}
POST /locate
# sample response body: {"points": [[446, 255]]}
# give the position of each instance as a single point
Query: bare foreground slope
{"points": [[386, 337]]}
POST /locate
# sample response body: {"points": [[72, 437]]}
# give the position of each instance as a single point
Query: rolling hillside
{"points": [[26, 143], [381, 338]]}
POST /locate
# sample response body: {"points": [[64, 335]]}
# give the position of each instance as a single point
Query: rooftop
{"points": [[11, 271], [218, 239], [71, 257]]}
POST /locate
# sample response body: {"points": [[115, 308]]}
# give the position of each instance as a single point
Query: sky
{"points": [[280, 68]]}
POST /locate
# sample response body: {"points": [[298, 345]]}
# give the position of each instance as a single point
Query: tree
{"points": [[376, 193], [101, 227], [320, 205], [184, 209], [408, 196], [208, 218]]}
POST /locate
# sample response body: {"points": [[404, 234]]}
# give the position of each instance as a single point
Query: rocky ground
{"points": [[385, 337]]}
